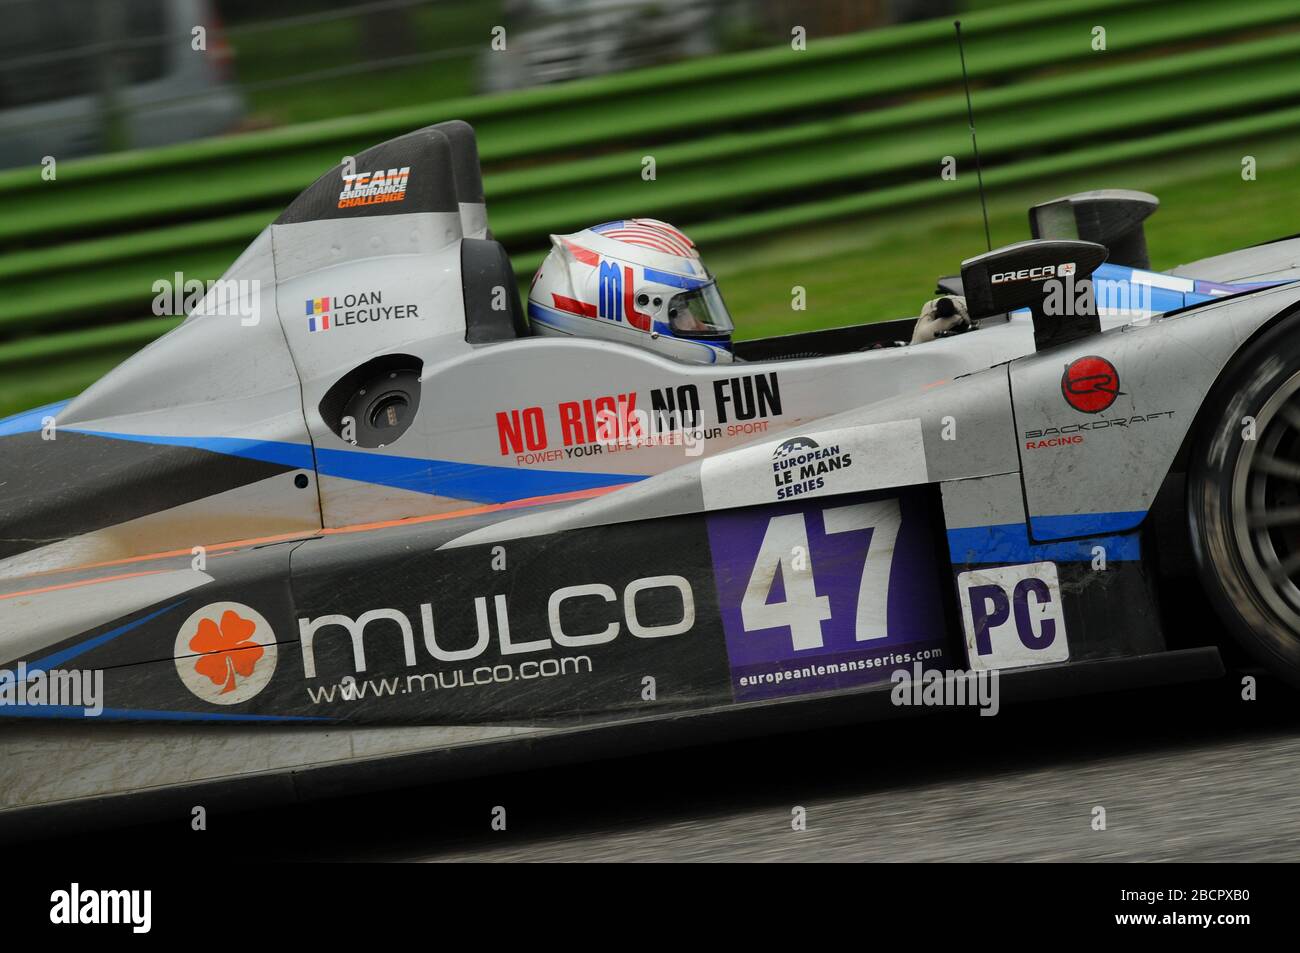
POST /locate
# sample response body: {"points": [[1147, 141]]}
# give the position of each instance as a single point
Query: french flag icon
{"points": [[318, 314]]}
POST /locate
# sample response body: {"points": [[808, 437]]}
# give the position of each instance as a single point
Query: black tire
{"points": [[1243, 499]]}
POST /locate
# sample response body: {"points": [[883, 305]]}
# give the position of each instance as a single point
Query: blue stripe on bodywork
{"points": [[480, 483], [461, 481], [284, 454], [1010, 543], [30, 420], [1120, 288], [58, 658], [1085, 524]]}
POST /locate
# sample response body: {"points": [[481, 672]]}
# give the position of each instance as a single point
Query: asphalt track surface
{"points": [[1188, 773]]}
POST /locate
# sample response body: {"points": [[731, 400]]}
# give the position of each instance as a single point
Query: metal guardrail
{"points": [[853, 124]]}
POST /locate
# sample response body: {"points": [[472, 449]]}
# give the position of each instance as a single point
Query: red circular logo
{"points": [[1090, 384]]}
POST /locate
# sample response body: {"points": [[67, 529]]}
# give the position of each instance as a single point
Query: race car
{"points": [[351, 523]]}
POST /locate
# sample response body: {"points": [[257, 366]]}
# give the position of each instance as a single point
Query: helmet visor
{"points": [[699, 314]]}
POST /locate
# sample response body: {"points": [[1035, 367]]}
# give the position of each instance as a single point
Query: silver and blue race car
{"points": [[351, 524]]}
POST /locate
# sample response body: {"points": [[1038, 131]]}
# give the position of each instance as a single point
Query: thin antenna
{"points": [[970, 115]]}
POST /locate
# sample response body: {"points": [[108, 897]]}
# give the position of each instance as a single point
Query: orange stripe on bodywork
{"points": [[82, 582], [219, 549]]}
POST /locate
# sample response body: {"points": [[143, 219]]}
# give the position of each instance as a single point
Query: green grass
{"points": [[885, 266], [274, 55], [23, 391]]}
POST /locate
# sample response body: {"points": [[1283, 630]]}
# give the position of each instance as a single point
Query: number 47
{"points": [[802, 610]]}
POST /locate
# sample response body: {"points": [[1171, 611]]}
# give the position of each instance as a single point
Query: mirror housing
{"points": [[1022, 275], [1110, 217]]}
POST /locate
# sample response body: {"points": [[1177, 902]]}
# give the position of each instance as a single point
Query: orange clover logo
{"points": [[226, 650], [225, 653]]}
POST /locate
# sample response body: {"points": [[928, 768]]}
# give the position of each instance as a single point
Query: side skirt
{"points": [[292, 783]]}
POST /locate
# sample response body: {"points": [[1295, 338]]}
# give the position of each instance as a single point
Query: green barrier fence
{"points": [[742, 144], [653, 106]]}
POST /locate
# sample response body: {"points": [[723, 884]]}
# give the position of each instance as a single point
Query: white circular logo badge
{"points": [[225, 653]]}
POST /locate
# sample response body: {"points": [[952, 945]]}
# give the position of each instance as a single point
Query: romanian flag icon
{"points": [[318, 306]]}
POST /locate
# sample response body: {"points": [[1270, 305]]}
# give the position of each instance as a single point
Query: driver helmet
{"points": [[639, 282]]}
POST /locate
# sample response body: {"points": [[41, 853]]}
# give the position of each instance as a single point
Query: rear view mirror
{"points": [[1110, 217], [1021, 275]]}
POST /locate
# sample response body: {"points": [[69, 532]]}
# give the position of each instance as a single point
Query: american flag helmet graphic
{"points": [[637, 281]]}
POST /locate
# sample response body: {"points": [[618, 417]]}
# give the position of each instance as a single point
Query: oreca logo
{"points": [[225, 653], [1034, 274]]}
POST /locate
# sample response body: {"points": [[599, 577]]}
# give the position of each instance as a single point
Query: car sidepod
{"points": [[1052, 564]]}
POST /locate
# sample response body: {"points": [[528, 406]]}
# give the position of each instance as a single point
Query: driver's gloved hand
{"points": [[941, 317]]}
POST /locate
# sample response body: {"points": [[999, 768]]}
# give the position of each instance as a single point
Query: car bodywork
{"points": [[558, 542]]}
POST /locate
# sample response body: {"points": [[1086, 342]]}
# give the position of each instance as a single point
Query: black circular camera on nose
{"points": [[374, 404]]}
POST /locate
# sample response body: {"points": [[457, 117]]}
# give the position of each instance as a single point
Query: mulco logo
{"points": [[1033, 274], [1090, 384], [392, 623]]}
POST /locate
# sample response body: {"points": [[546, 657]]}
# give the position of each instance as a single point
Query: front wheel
{"points": [[1243, 499]]}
